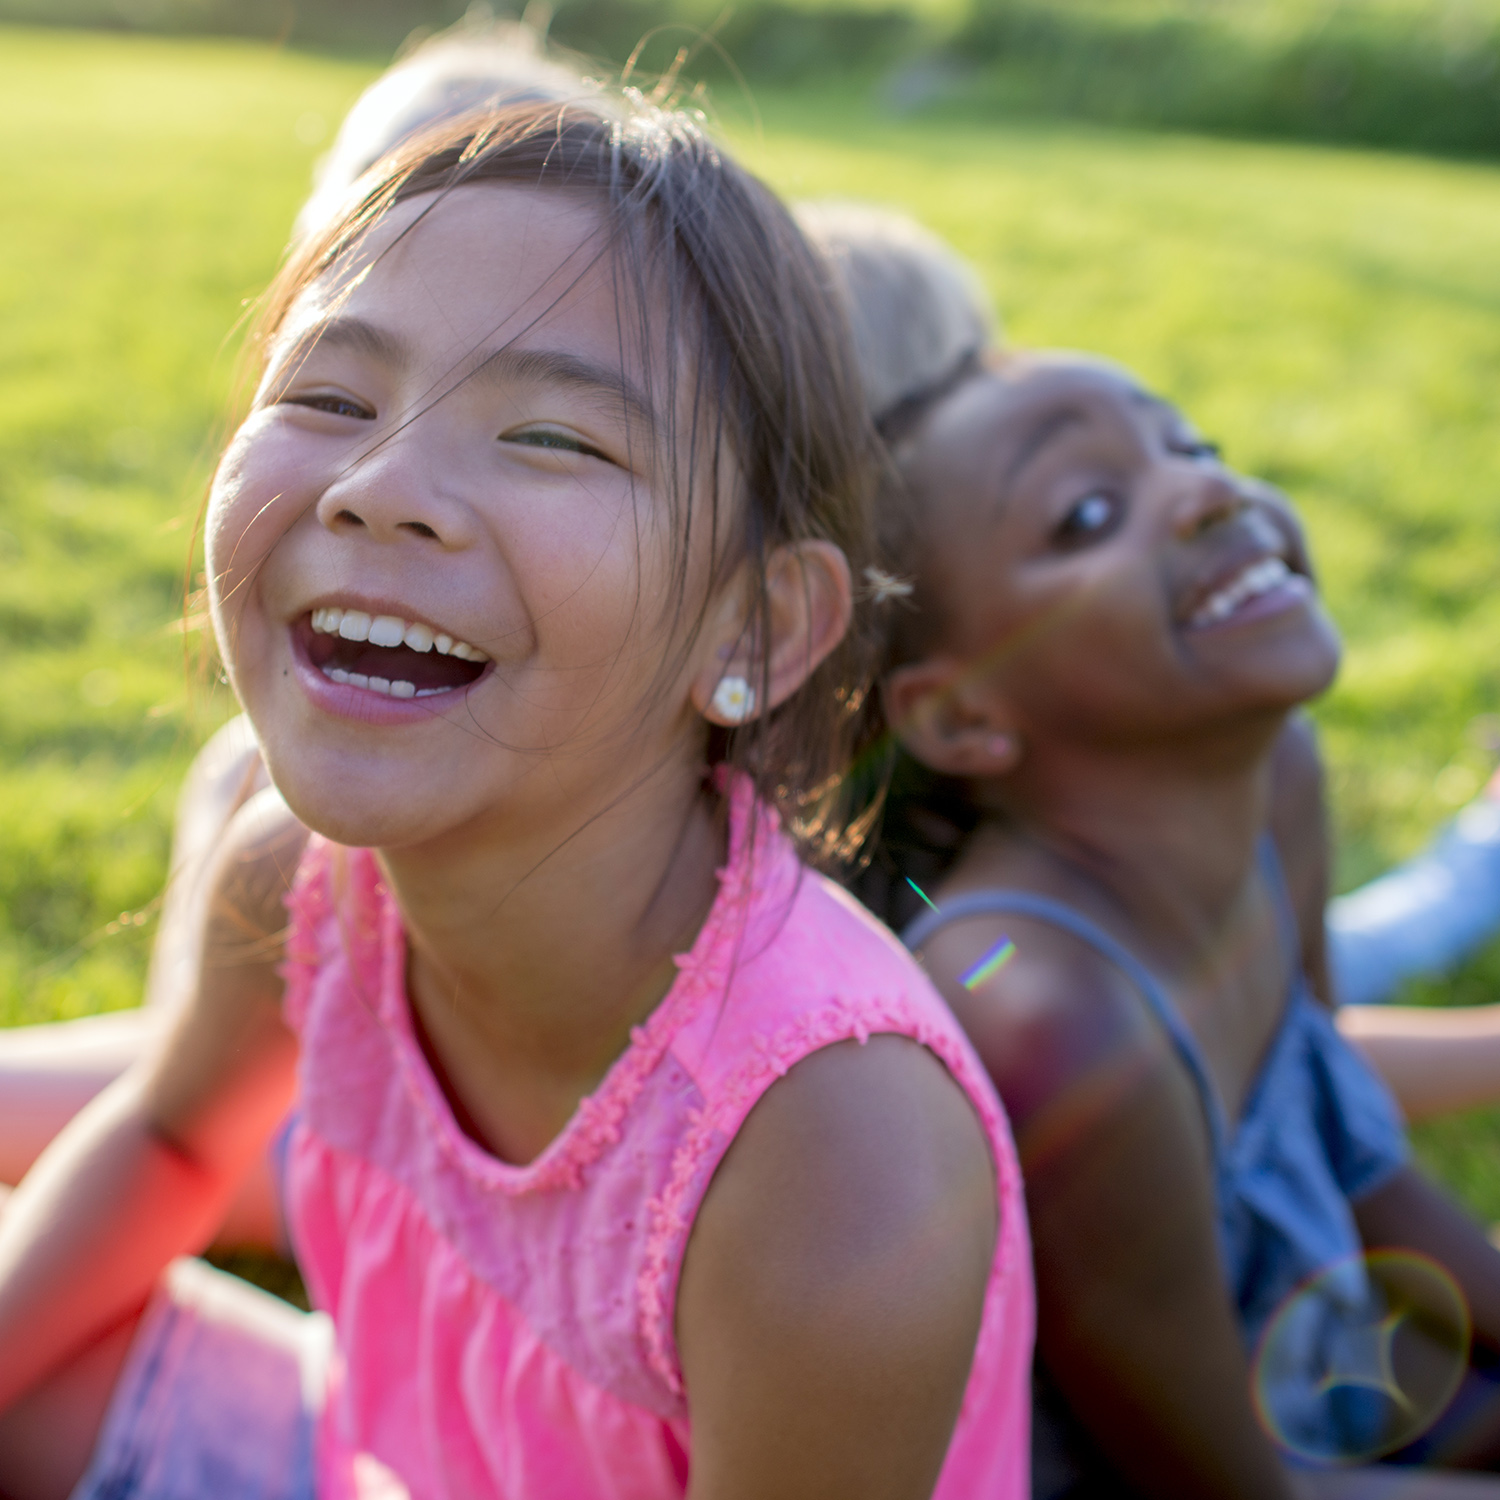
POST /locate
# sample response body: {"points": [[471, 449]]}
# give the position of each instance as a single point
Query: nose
{"points": [[395, 491], [1208, 500]]}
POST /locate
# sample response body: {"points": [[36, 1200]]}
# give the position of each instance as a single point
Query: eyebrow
{"points": [[549, 366], [1040, 437], [572, 371], [354, 334]]}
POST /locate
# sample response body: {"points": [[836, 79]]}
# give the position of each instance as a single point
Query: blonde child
{"points": [[532, 565]]}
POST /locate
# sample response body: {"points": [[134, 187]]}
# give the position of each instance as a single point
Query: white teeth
{"points": [[378, 684], [1259, 578], [387, 630], [465, 652], [390, 631]]}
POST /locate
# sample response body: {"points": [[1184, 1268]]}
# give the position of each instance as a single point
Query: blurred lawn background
{"points": [[1330, 315]]}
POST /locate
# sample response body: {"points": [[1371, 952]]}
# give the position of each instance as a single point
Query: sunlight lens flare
{"points": [[1362, 1358]]}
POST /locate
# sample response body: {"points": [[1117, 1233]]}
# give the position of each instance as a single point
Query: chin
{"points": [[1292, 678], [363, 812], [357, 826], [1315, 662]]}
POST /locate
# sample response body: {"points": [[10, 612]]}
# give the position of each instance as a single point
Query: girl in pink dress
{"points": [[632, 1159]]}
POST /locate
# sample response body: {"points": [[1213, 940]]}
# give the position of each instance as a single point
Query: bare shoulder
{"points": [[839, 1262], [1056, 1015], [225, 1071], [253, 870], [872, 1139]]}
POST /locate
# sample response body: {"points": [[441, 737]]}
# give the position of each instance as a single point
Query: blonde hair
{"points": [[472, 66], [920, 314]]}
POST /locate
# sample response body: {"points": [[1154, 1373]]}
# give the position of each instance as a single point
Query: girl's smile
{"points": [[436, 543], [1098, 564], [348, 654], [1251, 591]]}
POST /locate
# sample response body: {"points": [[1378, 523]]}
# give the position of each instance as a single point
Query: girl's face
{"points": [[439, 545], [1097, 566]]}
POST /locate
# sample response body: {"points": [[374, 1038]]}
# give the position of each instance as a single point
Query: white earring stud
{"points": [[734, 699]]}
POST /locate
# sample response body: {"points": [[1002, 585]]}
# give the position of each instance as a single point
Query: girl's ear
{"points": [[947, 726], [809, 602]]}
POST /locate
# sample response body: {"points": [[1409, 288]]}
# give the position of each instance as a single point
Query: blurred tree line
{"points": [[1415, 74]]}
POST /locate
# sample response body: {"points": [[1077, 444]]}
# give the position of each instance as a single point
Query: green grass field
{"points": [[1332, 317]]}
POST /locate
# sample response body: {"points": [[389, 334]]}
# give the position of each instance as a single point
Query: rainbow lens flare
{"points": [[923, 894], [992, 962], [1362, 1358]]}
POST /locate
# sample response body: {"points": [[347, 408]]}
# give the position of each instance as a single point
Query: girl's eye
{"points": [[1088, 519], [338, 406], [551, 437], [1195, 447]]}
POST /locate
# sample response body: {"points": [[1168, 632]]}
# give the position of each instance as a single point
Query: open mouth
{"points": [[1254, 581], [386, 654]]}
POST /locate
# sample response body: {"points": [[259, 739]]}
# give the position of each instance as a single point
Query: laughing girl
{"points": [[1109, 631], [631, 1158]]}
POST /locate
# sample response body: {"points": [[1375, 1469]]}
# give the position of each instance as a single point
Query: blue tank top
{"points": [[1318, 1129]]}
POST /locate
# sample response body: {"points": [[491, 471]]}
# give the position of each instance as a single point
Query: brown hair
{"points": [[767, 360]]}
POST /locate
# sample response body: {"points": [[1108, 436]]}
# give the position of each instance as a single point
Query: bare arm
{"points": [[1135, 1324], [144, 1173], [1437, 1061], [1395, 1483], [834, 1283], [1412, 1212]]}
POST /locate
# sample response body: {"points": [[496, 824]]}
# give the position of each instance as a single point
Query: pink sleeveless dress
{"points": [[506, 1332]]}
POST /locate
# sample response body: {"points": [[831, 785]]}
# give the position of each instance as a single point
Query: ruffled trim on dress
{"points": [[308, 909], [374, 944]]}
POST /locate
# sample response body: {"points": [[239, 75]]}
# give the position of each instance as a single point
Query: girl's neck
{"points": [[1165, 834], [532, 957]]}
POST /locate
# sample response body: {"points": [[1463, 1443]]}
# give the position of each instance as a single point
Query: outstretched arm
{"points": [[833, 1286], [1437, 1060], [145, 1172]]}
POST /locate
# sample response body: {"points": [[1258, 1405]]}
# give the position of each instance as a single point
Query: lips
{"points": [[1255, 586], [386, 654]]}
